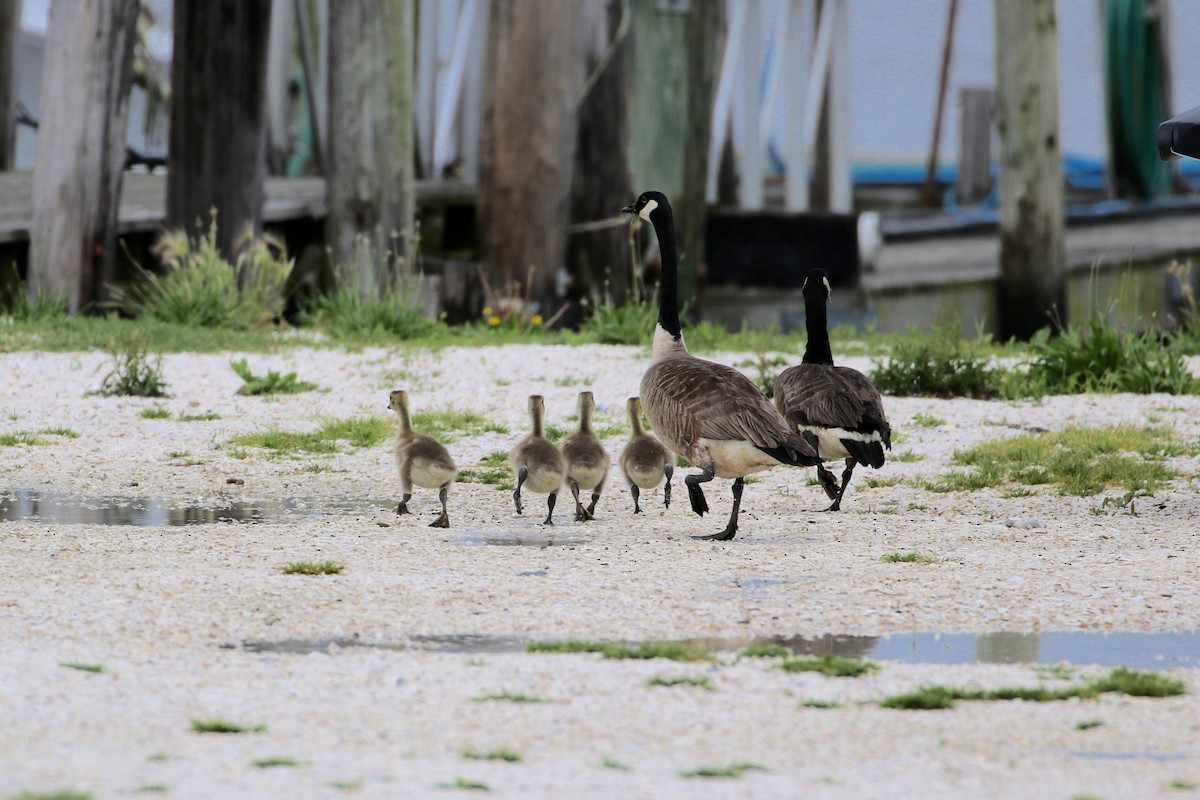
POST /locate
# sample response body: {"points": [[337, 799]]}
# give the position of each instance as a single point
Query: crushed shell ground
{"points": [[167, 610]]}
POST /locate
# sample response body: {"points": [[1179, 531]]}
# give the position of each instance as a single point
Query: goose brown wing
{"points": [[831, 397], [689, 398]]}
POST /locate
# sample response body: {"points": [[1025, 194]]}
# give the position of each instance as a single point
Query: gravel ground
{"points": [[431, 620]]}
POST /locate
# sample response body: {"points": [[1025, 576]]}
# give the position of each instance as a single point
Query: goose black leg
{"points": [[695, 493], [402, 509], [635, 491], [550, 501], [828, 482], [581, 515], [522, 474], [730, 529], [442, 521], [669, 472], [846, 473], [591, 509]]}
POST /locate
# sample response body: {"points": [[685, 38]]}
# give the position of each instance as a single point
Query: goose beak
{"points": [[629, 209]]}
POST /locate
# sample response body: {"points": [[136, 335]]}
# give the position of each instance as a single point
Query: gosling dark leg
{"points": [[828, 482], [402, 509], [670, 473], [846, 473], [695, 493], [522, 474], [730, 529], [550, 501], [635, 491], [595, 498], [444, 520]]}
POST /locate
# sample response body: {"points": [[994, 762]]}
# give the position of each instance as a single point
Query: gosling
{"points": [[421, 460], [645, 461], [587, 460], [536, 462]]}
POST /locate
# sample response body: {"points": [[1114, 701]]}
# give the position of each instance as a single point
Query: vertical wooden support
{"points": [[81, 147], [747, 99], [975, 144], [279, 72], [1032, 251], [797, 61], [837, 112], [10, 26]]}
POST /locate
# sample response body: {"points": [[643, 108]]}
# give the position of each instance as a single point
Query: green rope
{"points": [[1137, 100]]}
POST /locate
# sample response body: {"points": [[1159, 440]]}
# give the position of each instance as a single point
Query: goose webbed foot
{"points": [[402, 509], [695, 492], [443, 521], [636, 492], [550, 501], [591, 509], [730, 529]]}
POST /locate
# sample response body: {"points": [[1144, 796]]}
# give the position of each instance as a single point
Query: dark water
{"points": [[1135, 650]]}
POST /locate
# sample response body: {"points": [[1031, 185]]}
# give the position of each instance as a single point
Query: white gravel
{"points": [[154, 605]]}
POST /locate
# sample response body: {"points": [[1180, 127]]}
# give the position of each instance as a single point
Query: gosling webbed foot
{"points": [[442, 521]]}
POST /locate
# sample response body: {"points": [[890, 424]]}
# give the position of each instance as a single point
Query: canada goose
{"points": [[836, 409], [587, 460], [536, 462], [644, 461], [421, 460], [711, 414]]}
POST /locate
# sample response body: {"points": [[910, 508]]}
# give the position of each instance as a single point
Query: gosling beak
{"points": [[629, 209]]}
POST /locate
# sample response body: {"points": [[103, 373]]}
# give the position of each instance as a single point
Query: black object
{"points": [[1180, 136], [777, 249]]}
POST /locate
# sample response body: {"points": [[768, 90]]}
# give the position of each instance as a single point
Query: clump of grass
{"points": [[313, 568], [1059, 672], [18, 438], [765, 651], [906, 457], [206, 417], [155, 413], [730, 771], [610, 763], [492, 470], [493, 755], [1121, 680], [97, 668], [881, 483], [673, 651], [448, 426], [468, 785], [63, 795], [1186, 786], [820, 704], [699, 683], [271, 383], [937, 363], [509, 697], [1088, 724], [200, 288], [275, 761], [223, 726], [154, 788], [830, 665], [136, 372], [359, 432], [1082, 461], [908, 558], [923, 420]]}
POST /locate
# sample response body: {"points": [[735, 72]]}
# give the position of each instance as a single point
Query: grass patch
{"points": [[19, 438], [357, 432], [880, 483], [1186, 786], [158, 758], [937, 363], [493, 755], [275, 761], [1088, 724], [673, 651], [1121, 680], [908, 558], [492, 470], [699, 683], [1058, 672], [155, 413], [610, 763], [730, 771], [923, 420], [63, 795], [96, 668], [349, 786], [1082, 461], [765, 651], [449, 426], [509, 697], [313, 568], [907, 457], [207, 417], [271, 383], [820, 704], [136, 372], [154, 788], [463, 783], [224, 726], [830, 665]]}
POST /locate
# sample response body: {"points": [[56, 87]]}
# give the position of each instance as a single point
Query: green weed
{"points": [[463, 783], [907, 457], [493, 755], [923, 420], [206, 417], [908, 558], [765, 651], [313, 568], [155, 413], [610, 763], [21, 437], [820, 704], [510, 697], [222, 726], [730, 771], [1120, 680], [937, 363], [673, 651], [135, 372], [1087, 724], [699, 683], [830, 665], [82, 667], [62, 795], [271, 383], [275, 761], [359, 432], [449, 426]]}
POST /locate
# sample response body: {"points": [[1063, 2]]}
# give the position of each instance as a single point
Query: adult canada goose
{"points": [[644, 461], [836, 409], [587, 460], [711, 414], [536, 462], [421, 460]]}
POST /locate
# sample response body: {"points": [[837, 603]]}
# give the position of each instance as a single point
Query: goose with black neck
{"points": [[709, 413]]}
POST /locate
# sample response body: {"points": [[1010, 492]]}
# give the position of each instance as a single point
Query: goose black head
{"points": [[816, 284], [649, 206]]}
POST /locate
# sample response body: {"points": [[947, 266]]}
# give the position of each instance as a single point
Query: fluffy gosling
{"points": [[422, 460], [645, 461], [536, 462], [587, 460]]}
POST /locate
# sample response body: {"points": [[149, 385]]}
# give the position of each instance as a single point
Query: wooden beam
{"points": [[10, 26]]}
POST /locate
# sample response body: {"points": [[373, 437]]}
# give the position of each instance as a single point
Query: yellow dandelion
{"points": [[493, 321], [487, 312], [537, 319]]}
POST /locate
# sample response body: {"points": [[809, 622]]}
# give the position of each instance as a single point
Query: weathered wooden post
{"points": [[371, 186], [528, 143], [975, 143], [1032, 252], [10, 26], [217, 147], [87, 72]]}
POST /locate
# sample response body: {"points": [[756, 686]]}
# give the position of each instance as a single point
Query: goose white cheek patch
{"points": [[646, 209]]}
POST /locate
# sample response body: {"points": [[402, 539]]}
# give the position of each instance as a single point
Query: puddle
{"points": [[1134, 650], [518, 541], [65, 509]]}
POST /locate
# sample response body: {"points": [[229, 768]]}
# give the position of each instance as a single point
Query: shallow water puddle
{"points": [[1134, 650], [65, 509], [481, 540]]}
